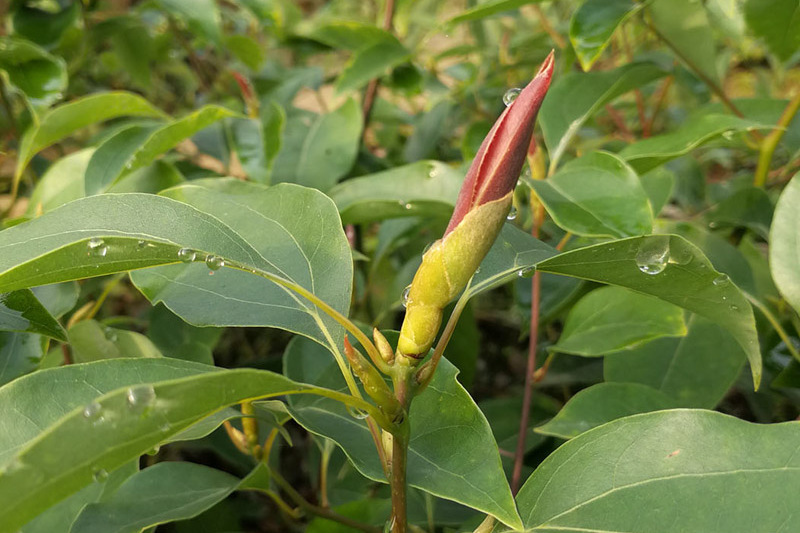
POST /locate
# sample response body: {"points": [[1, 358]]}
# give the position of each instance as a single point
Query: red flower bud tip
{"points": [[499, 161]]}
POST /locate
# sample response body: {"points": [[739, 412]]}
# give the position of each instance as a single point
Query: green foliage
{"points": [[200, 199]]}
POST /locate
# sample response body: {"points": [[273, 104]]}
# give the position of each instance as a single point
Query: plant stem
{"points": [[771, 141], [486, 526], [530, 368], [399, 520], [372, 87], [327, 449], [316, 510]]}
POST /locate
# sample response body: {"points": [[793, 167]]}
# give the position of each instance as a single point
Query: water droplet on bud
{"points": [[97, 247], [510, 96], [512, 214], [187, 255], [405, 295]]}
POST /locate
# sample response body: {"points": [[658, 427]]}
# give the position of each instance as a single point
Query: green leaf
{"points": [[695, 371], [202, 16], [487, 9], [92, 342], [45, 27], [512, 255], [245, 49], [574, 98], [777, 22], [613, 319], [20, 353], [291, 231], [670, 268], [349, 35], [667, 472], [784, 250], [162, 493], [251, 147], [175, 338], [116, 428], [684, 25], [21, 311], [318, 150], [452, 453], [418, 189], [108, 161], [371, 61], [750, 207], [658, 185], [66, 119], [602, 403], [598, 195], [649, 153], [40, 76], [593, 24]]}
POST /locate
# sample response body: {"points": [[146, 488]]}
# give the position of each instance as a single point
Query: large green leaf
{"points": [[20, 353], [613, 319], [452, 453], [649, 153], [288, 231], [115, 428], [318, 150], [68, 118], [695, 371], [777, 22], [489, 8], [574, 98], [294, 232], [602, 403], [784, 250], [669, 472], [40, 76], [598, 195], [370, 62], [161, 493], [21, 311], [91, 342], [670, 268], [421, 188], [684, 25], [593, 24], [135, 147]]}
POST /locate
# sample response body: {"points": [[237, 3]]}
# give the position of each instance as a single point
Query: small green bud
{"points": [[374, 385], [384, 348]]}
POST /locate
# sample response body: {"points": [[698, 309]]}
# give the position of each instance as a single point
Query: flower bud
{"points": [[383, 346], [480, 211], [374, 385]]}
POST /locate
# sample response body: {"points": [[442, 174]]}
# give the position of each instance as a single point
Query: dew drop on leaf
{"points": [[653, 255], [512, 214], [526, 272], [187, 255], [93, 412], [99, 475], [722, 279], [141, 398], [510, 96], [97, 247], [214, 262]]}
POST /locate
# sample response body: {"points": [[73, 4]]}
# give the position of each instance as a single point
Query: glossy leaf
{"points": [[671, 269], [421, 188], [574, 98], [370, 62], [777, 22], [649, 153], [613, 319], [695, 371], [116, 428], [66, 119], [318, 150], [784, 250], [602, 403], [675, 465], [162, 493], [593, 24], [21, 311], [40, 76], [598, 195], [291, 231], [109, 160], [684, 25], [452, 453]]}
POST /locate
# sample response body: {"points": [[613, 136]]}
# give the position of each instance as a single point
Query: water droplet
{"points": [[187, 255], [734, 307], [433, 172], [141, 398], [510, 96], [729, 135], [93, 412], [358, 414], [407, 206], [722, 279], [129, 165], [214, 262], [404, 296], [653, 255], [141, 244], [681, 257], [526, 272], [99, 475], [97, 247], [165, 427], [512, 214], [111, 335]]}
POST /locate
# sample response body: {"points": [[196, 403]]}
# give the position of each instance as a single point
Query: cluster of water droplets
{"points": [[213, 262]]}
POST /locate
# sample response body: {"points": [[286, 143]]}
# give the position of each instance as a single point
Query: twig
{"points": [[647, 127], [771, 141], [372, 86], [619, 121], [548, 28]]}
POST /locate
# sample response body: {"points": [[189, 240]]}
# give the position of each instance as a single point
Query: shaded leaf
{"points": [[489, 8], [21, 311], [684, 25], [777, 22], [371, 61], [40, 76], [784, 249], [593, 24]]}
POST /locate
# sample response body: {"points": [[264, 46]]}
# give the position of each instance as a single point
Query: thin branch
{"points": [[372, 88], [771, 141]]}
